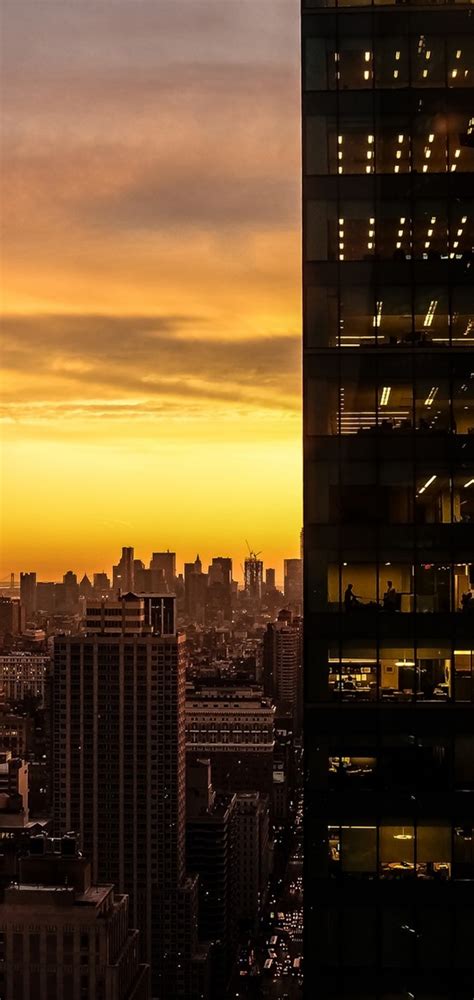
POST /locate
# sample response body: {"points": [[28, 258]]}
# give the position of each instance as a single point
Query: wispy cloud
{"points": [[147, 361]]}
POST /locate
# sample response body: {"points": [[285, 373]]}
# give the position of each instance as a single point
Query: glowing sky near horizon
{"points": [[150, 281]]}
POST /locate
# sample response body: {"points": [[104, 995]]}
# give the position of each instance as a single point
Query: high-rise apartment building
{"points": [[119, 773], [388, 162], [64, 937], [132, 614], [282, 660]]}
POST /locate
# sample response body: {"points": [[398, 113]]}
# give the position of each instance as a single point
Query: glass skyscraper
{"points": [[388, 302]]}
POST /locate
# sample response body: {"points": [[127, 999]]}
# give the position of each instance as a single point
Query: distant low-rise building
{"points": [[12, 616], [16, 732], [23, 675], [234, 728], [16, 827]]}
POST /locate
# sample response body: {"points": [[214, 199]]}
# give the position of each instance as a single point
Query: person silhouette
{"points": [[390, 597], [350, 599]]}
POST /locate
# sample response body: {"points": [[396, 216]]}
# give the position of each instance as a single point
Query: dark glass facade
{"points": [[388, 318]]}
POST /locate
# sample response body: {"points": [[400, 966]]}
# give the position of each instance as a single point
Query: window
{"points": [[34, 948]]}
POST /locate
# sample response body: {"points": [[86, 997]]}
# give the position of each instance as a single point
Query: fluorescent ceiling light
{"points": [[425, 487], [431, 396], [431, 311]]}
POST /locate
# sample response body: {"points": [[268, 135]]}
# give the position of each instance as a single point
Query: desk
{"points": [[397, 869]]}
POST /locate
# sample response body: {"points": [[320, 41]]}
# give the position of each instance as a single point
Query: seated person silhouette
{"points": [[351, 602], [467, 602], [390, 597]]}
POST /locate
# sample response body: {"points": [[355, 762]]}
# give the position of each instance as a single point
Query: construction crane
{"points": [[252, 555]]}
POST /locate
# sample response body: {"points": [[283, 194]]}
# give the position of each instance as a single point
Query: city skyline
{"points": [[151, 278], [278, 565]]}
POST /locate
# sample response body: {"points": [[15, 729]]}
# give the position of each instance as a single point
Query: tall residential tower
{"points": [[119, 774], [388, 202]]}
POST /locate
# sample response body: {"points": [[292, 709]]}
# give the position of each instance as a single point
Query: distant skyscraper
{"points": [[196, 596], [69, 593], [253, 577], [219, 592], [123, 572], [270, 579], [28, 592], [220, 571], [141, 576], [166, 563], [195, 586], [101, 584], [119, 773], [85, 587], [64, 936], [45, 596], [293, 586]]}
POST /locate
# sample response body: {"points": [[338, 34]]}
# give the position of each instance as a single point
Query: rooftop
{"points": [[22, 893]]}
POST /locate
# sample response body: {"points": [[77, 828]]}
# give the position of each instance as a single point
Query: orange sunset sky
{"points": [[150, 281]]}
